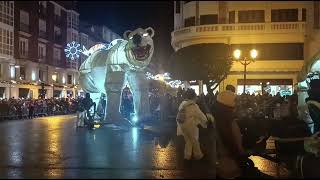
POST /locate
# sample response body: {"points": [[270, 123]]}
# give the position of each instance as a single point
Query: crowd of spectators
{"points": [[28, 108]]}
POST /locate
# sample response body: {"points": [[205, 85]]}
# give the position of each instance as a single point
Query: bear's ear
{"points": [[150, 31], [126, 34]]}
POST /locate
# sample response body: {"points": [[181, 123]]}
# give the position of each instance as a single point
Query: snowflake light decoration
{"points": [[73, 50]]}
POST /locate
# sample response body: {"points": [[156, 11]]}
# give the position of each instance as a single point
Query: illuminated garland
{"points": [[164, 78]]}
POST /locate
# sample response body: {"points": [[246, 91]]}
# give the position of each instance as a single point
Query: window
{"points": [[6, 42], [57, 10], [42, 28], [42, 25], [23, 47], [22, 73], [284, 15], [191, 21], [43, 4], [74, 36], [6, 12], [57, 33], [24, 17], [251, 16], [73, 20], [56, 54], [232, 17], [41, 51], [42, 75], [43, 7], [209, 19], [304, 14], [177, 6], [69, 80]]}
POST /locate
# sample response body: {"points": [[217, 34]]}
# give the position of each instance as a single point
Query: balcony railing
{"points": [[242, 28], [24, 27], [43, 34]]}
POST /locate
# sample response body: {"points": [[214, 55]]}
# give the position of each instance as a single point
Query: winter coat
{"points": [[190, 116]]}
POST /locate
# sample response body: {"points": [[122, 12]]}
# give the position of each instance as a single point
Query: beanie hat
{"points": [[227, 98]]}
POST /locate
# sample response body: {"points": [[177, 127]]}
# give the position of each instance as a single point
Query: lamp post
{"points": [[245, 62]]}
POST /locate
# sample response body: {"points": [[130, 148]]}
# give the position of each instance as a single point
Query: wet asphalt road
{"points": [[51, 147]]}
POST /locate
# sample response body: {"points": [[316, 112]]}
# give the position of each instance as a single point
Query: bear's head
{"points": [[139, 48]]}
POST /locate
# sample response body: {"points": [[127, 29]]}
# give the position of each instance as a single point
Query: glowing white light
{"points": [[63, 79], [130, 37], [164, 78], [54, 77], [73, 50], [97, 47], [253, 53], [135, 118], [145, 34], [12, 71], [33, 76], [237, 53]]}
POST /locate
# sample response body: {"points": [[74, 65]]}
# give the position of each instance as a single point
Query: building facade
{"points": [[281, 31], [6, 45], [91, 35], [33, 36], [40, 35]]}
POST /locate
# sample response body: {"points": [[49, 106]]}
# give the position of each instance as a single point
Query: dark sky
{"points": [[120, 16]]}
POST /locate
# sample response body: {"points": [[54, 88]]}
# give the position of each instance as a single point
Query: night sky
{"points": [[124, 15]]}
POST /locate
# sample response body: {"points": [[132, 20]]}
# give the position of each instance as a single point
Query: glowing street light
{"points": [[237, 54], [253, 53], [245, 62]]}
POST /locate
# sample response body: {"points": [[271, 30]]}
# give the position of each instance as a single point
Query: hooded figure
{"points": [[188, 119], [229, 143]]}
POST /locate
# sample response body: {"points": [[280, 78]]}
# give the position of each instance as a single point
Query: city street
{"points": [[51, 147]]}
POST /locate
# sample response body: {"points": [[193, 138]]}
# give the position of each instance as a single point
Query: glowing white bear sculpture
{"points": [[106, 71]]}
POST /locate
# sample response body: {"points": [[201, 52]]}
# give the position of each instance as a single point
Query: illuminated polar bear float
{"points": [[106, 71]]}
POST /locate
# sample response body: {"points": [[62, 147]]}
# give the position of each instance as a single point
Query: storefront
{"points": [[271, 86], [2, 92]]}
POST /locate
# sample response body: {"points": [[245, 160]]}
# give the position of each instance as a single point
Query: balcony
{"points": [[24, 27], [43, 34], [242, 33]]}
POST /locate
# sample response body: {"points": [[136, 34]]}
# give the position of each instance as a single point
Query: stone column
{"points": [[200, 87]]}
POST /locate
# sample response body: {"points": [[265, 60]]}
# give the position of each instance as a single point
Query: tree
{"points": [[208, 62]]}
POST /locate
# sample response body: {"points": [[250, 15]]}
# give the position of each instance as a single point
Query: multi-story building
{"points": [[283, 33], [91, 35], [34, 36], [7, 60]]}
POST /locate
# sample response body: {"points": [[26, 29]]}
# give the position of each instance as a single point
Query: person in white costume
{"points": [[188, 119]]}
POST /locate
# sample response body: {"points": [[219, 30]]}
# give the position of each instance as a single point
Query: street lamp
{"points": [[245, 62]]}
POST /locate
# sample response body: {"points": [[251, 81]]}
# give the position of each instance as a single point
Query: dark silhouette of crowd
{"points": [[28, 108]]}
